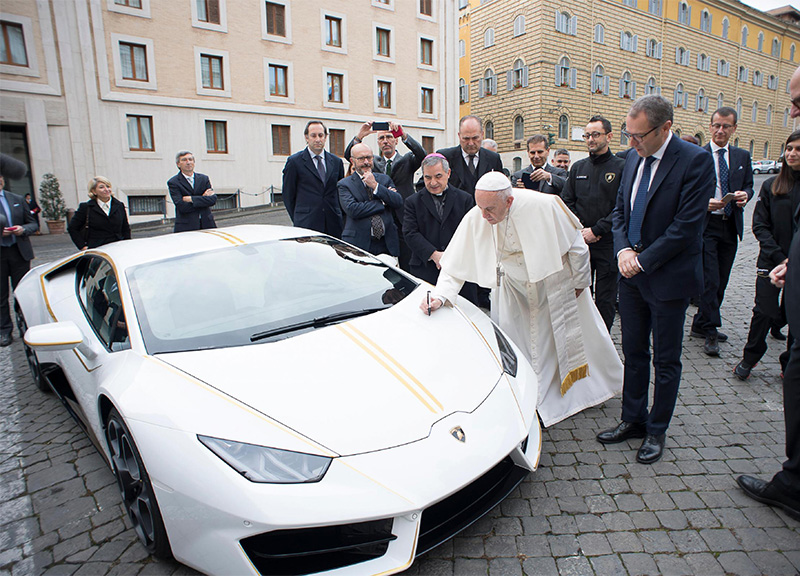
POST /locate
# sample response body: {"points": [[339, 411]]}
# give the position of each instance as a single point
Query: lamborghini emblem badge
{"points": [[610, 177], [458, 434]]}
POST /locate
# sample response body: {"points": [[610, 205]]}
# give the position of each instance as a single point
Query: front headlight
{"points": [[268, 465], [507, 355]]}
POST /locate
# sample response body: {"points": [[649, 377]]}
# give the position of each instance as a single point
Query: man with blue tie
{"points": [[724, 225], [17, 224], [658, 223]]}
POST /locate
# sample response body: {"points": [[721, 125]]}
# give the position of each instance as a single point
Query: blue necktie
{"points": [[637, 213], [724, 184]]}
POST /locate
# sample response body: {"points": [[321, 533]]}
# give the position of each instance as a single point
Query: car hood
{"points": [[369, 384]]}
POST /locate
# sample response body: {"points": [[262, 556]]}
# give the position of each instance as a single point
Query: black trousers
{"points": [[720, 242], [642, 314], [789, 476], [769, 309], [604, 280], [12, 268]]}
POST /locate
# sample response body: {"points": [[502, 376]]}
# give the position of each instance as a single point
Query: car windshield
{"points": [[258, 293]]}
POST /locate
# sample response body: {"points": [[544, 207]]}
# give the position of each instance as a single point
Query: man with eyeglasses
{"points": [[591, 193], [723, 227], [543, 176], [367, 199], [658, 223]]}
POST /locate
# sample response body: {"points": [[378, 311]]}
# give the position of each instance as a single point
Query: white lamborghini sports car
{"points": [[273, 401]]}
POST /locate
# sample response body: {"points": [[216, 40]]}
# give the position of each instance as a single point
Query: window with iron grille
{"points": [[146, 205]]}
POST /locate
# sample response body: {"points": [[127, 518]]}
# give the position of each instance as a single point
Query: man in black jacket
{"points": [[591, 193]]}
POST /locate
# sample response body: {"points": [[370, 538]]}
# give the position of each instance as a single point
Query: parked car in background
{"points": [[764, 167]]}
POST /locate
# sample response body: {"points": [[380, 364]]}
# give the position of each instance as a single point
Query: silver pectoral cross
{"points": [[500, 274]]}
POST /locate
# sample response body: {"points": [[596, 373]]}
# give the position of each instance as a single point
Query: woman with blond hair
{"points": [[101, 220]]}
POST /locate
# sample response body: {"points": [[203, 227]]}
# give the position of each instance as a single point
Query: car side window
{"points": [[98, 291]]}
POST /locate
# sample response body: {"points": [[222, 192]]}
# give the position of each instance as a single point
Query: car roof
{"points": [[128, 253]]}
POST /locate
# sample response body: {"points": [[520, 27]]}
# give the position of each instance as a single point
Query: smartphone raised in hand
{"points": [[380, 125]]}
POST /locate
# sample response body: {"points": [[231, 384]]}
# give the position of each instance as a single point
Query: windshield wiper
{"points": [[315, 323]]}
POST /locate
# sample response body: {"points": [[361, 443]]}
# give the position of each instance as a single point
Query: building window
{"points": [[426, 100], [333, 31], [772, 82], [384, 94], [336, 141], [743, 74], [628, 41], [129, 3], [791, 52], [335, 87], [654, 7], [488, 129], [650, 87], [133, 58], [705, 21], [140, 133], [519, 128], [426, 7], [488, 83], [758, 79], [565, 75], [680, 96], [566, 24], [216, 137], [599, 81], [752, 147], [684, 13], [627, 87], [519, 25], [277, 80], [776, 47], [426, 52], [725, 28], [383, 42], [786, 118], [462, 48], [723, 68], [517, 163], [760, 41], [281, 145], [654, 48], [563, 127], [682, 56], [146, 205], [519, 75], [631, 3], [623, 140], [276, 19], [211, 72], [703, 63], [599, 34], [13, 49], [720, 100], [428, 144], [463, 91], [744, 35], [488, 38], [208, 11], [754, 113], [739, 108], [700, 101]]}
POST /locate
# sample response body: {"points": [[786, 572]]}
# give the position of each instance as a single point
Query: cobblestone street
{"points": [[588, 509]]}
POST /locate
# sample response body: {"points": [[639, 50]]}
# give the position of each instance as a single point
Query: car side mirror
{"points": [[54, 337]]}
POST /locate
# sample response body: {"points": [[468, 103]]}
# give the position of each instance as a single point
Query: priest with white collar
{"points": [[528, 249]]}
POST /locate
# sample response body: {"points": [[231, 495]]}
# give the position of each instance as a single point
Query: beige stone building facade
{"points": [[117, 87], [545, 66]]}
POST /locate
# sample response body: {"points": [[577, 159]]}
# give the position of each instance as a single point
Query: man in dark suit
{"points": [[658, 222], [468, 161], [784, 488], [546, 178], [192, 194], [431, 218], [400, 168], [368, 198], [724, 225], [16, 253], [309, 184]]}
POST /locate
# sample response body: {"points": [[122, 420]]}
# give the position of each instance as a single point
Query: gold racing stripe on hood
{"points": [[225, 236], [392, 366]]}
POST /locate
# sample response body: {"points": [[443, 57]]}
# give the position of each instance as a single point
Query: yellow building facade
{"points": [[547, 67]]}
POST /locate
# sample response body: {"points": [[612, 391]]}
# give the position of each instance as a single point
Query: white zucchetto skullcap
{"points": [[493, 182]]}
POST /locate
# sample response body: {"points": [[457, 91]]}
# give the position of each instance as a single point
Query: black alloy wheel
{"points": [[134, 485], [30, 355]]}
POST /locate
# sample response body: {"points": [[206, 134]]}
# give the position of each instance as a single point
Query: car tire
{"points": [[30, 355], [756, 171], [134, 485]]}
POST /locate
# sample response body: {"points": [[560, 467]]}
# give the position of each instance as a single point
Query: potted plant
{"points": [[52, 202]]}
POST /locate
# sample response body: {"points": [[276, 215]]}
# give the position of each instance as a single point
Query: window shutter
{"points": [[558, 75], [606, 84], [573, 80], [524, 76], [658, 90], [622, 40], [659, 47], [494, 84], [676, 98], [686, 100], [648, 49], [689, 16], [677, 55], [510, 80], [633, 90], [705, 103], [699, 62], [621, 88], [481, 88], [558, 20], [573, 26], [635, 46], [687, 57]]}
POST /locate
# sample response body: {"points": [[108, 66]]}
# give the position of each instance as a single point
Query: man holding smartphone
{"points": [[540, 175], [724, 225], [400, 168]]}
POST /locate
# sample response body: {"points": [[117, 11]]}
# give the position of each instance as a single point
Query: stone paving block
{"points": [[563, 545], [61, 517], [617, 521], [763, 516], [717, 499], [594, 544], [772, 562], [424, 567], [62, 570], [610, 565], [500, 546], [624, 542], [572, 504], [793, 556], [535, 525], [601, 503], [468, 547], [784, 538], [656, 541], [58, 494], [672, 519], [614, 486], [50, 476], [573, 566], [590, 523], [702, 519], [672, 565], [531, 546], [471, 567], [540, 567], [704, 564], [720, 540], [16, 534], [628, 502], [505, 567], [563, 525], [686, 500], [15, 510], [658, 501], [587, 488], [640, 564], [544, 507], [738, 563]]}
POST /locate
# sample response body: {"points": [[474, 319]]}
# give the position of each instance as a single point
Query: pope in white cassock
{"points": [[527, 247]]}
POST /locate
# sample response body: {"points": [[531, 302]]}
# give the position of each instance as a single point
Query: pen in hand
{"points": [[429, 302]]}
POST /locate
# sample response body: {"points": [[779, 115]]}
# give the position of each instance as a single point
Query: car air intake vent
{"points": [[447, 518], [308, 550]]}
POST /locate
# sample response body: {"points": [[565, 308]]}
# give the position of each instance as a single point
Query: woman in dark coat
{"points": [[101, 220], [773, 226]]}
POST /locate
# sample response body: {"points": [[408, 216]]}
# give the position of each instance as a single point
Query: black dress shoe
{"points": [[777, 334], [6, 339], [721, 336], [742, 370], [711, 347], [621, 433], [769, 493], [652, 449]]}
